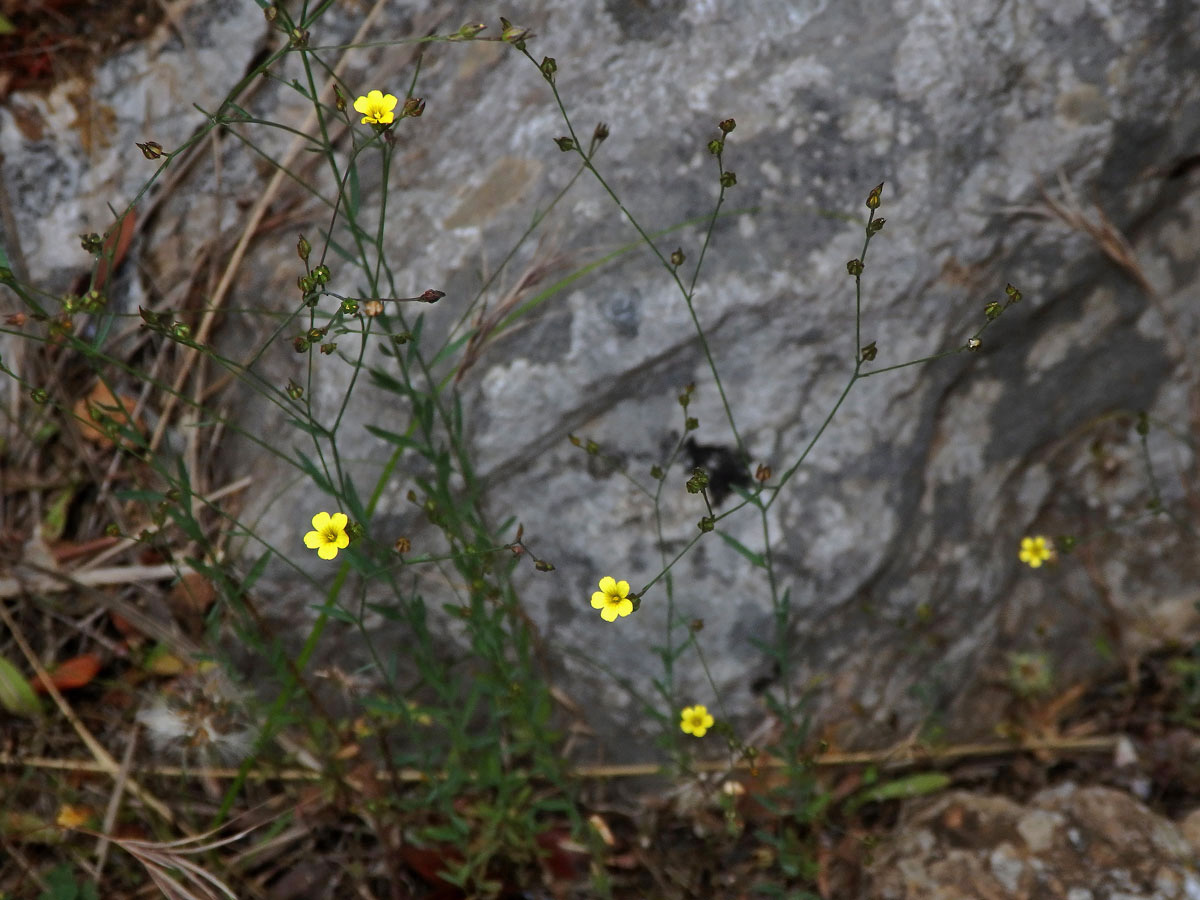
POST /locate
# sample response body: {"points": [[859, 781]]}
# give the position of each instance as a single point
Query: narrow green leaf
{"points": [[336, 613], [313, 472], [354, 200], [16, 694], [756, 559], [917, 785], [308, 427], [256, 571], [451, 348], [388, 382]]}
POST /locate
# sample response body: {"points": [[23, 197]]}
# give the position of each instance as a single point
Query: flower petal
{"points": [[327, 551], [343, 540], [608, 584], [313, 540], [599, 598], [320, 521], [389, 102], [624, 608], [622, 588], [609, 613], [338, 521], [361, 105]]}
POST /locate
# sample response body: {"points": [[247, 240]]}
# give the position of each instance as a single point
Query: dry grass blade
{"points": [[1099, 227], [161, 858], [489, 320]]}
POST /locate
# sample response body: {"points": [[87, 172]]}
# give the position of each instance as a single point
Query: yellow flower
{"points": [[330, 534], [376, 107], [695, 720], [612, 599], [1036, 550]]}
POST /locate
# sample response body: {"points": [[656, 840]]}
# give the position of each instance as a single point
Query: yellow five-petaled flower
{"points": [[695, 720], [376, 107], [329, 535], [612, 599], [1035, 551]]}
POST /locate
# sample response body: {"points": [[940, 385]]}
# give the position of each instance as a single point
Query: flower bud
{"points": [[707, 524], [868, 352], [549, 66], [1013, 293], [513, 34], [727, 125], [413, 107], [992, 311], [328, 348], [698, 482], [91, 243], [855, 267], [303, 248], [728, 179], [468, 31], [873, 198], [321, 274], [151, 149], [294, 390], [677, 258], [600, 134], [974, 343], [716, 146], [565, 144]]}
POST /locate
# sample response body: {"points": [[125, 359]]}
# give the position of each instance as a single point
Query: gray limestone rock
{"points": [[1066, 843]]}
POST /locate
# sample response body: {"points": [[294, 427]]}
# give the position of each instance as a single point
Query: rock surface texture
{"points": [[1066, 843], [897, 539]]}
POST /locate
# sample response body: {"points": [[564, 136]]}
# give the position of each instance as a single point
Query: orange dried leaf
{"points": [[100, 410], [191, 595], [116, 245], [74, 673]]}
